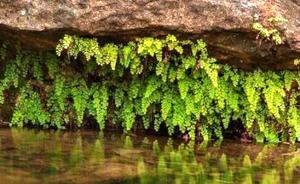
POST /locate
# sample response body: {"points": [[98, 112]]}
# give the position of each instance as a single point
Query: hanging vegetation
{"points": [[151, 81]]}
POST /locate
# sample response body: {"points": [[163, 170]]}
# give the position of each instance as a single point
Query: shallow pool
{"points": [[33, 156]]}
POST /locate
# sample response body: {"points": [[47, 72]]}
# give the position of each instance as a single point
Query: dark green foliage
{"points": [[29, 108], [153, 81]]}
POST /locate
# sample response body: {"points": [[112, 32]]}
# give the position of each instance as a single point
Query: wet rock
{"points": [[224, 24], [4, 124], [246, 138]]}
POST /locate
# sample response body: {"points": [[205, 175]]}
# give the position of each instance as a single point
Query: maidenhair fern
{"points": [[80, 95], [100, 103], [151, 81], [29, 108], [270, 32]]}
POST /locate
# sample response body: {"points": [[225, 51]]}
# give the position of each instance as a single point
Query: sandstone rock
{"points": [[226, 25]]}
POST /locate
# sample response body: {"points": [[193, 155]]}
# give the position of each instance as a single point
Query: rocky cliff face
{"points": [[226, 25]]}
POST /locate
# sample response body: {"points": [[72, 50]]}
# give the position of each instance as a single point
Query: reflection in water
{"points": [[30, 156]]}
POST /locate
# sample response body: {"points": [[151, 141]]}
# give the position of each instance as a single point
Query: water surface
{"points": [[32, 156]]}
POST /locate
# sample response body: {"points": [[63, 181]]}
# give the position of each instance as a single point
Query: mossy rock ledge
{"points": [[225, 25]]}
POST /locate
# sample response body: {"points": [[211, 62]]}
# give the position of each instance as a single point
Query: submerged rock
{"points": [[226, 25]]}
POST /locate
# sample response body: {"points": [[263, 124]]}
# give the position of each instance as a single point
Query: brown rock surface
{"points": [[224, 24]]}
